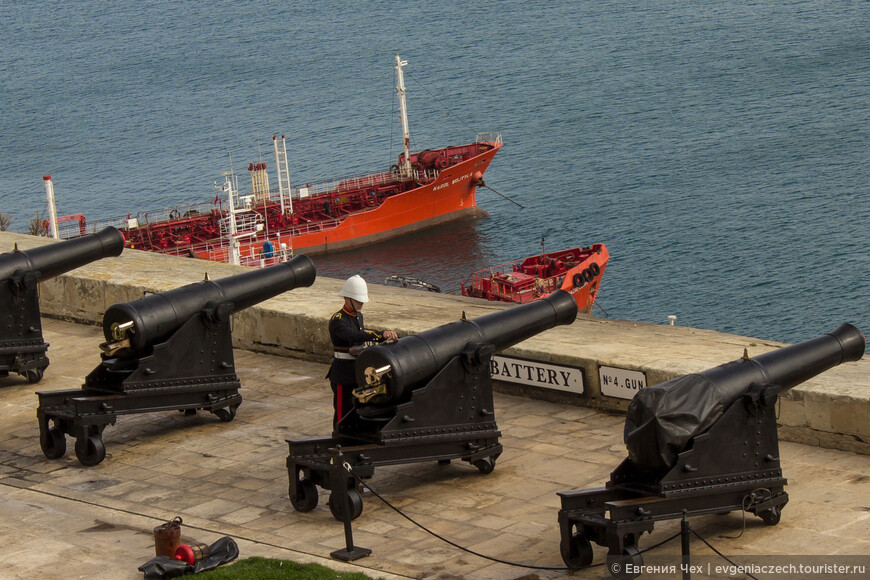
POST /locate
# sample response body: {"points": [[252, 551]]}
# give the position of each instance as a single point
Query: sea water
{"points": [[720, 150]]}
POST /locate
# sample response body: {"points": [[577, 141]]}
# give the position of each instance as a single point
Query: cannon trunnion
{"points": [[167, 351], [22, 348], [701, 444], [427, 397]]}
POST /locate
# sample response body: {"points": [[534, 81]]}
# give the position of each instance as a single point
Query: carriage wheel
{"points": [[90, 450]]}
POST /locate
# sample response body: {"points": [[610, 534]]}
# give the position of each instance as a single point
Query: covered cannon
{"points": [[22, 349], [662, 420], [426, 397], [701, 443], [167, 351]]}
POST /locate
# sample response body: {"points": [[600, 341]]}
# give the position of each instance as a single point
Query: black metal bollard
{"points": [[338, 482], [684, 540]]}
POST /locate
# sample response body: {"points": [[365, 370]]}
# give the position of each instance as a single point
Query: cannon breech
{"points": [[152, 319], [396, 369], [426, 397], [167, 351], [704, 443]]}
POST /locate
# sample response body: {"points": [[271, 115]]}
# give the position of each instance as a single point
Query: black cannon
{"points": [[166, 351], [22, 349], [703, 443], [426, 397]]}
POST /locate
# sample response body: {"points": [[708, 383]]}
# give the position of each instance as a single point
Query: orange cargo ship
{"points": [[577, 271], [422, 190]]}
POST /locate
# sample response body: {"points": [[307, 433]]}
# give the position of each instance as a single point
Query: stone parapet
{"points": [[831, 410]]}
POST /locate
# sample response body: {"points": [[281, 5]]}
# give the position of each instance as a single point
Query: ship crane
{"points": [[283, 174], [403, 114], [235, 255], [284, 189]]}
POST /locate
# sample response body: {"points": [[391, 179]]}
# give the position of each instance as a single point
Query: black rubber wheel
{"points": [[188, 412], [33, 376], [596, 269], [226, 414], [54, 443], [617, 565], [579, 552], [633, 553], [579, 280], [587, 275], [485, 465], [90, 450], [770, 517], [306, 496], [356, 505]]}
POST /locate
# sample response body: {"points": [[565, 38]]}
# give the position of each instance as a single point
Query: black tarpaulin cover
{"points": [[223, 551], [662, 419]]}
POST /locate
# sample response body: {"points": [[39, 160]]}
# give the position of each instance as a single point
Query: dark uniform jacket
{"points": [[347, 330]]}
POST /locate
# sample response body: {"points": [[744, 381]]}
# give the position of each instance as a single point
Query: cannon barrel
{"points": [[52, 260], [662, 419], [789, 366], [155, 317], [418, 357]]}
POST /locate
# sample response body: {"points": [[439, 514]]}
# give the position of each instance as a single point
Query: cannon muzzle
{"points": [[52, 260], [387, 373], [661, 420], [139, 324]]}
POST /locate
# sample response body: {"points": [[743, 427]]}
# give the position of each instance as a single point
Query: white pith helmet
{"points": [[355, 287]]}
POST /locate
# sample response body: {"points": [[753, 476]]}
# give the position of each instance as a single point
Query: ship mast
{"points": [[235, 255], [403, 114], [52, 209]]}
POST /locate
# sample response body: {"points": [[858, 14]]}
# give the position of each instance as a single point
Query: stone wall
{"points": [[831, 410]]}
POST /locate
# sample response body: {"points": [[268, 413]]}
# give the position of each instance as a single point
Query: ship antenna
{"points": [[403, 114]]}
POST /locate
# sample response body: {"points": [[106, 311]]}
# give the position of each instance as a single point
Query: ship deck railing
{"points": [[489, 137], [218, 250], [142, 218]]}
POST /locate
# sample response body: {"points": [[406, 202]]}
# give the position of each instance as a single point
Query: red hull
{"points": [[345, 214], [577, 271]]}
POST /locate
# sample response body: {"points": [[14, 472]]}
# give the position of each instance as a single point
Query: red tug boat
{"points": [[577, 271]]}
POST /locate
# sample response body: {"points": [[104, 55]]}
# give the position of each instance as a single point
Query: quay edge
{"points": [[831, 410]]}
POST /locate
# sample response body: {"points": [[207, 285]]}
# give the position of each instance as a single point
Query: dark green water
{"points": [[720, 150]]}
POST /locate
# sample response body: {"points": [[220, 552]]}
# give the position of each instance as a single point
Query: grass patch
{"points": [[257, 568]]}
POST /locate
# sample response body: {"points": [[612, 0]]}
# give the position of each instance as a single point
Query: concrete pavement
{"points": [[61, 520]]}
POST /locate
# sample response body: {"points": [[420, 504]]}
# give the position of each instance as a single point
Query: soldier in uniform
{"points": [[348, 335]]}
